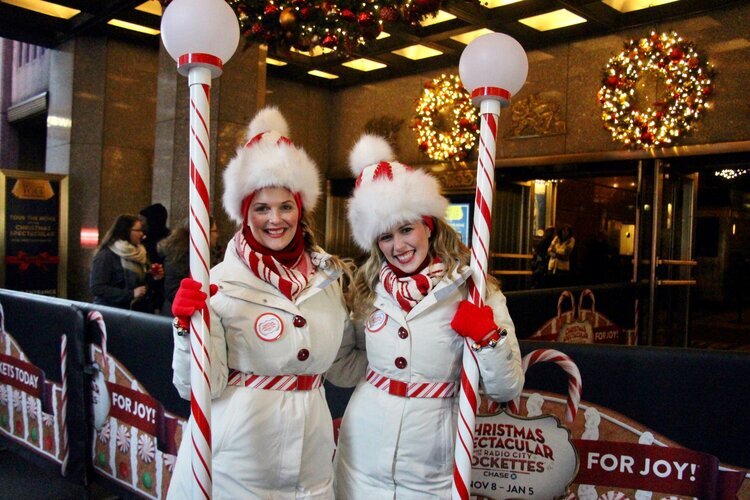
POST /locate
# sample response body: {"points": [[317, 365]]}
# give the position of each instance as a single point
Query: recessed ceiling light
{"points": [[322, 74], [631, 5], [382, 35], [493, 4], [552, 20], [363, 64], [440, 17], [467, 38], [150, 7], [274, 62], [416, 52], [314, 52], [46, 8], [133, 27]]}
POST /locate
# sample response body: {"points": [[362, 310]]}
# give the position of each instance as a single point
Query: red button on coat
{"points": [[299, 321], [402, 333], [303, 354], [401, 362]]}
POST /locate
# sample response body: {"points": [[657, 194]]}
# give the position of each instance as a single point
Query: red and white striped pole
{"points": [[201, 35], [492, 68]]}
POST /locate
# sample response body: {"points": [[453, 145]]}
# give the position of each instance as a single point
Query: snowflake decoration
{"points": [[146, 449], [17, 399], [48, 420], [169, 461], [104, 434], [32, 406], [3, 395], [123, 439]]}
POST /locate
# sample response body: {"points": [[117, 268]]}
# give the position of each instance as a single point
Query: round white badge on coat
{"points": [[268, 327], [377, 321]]}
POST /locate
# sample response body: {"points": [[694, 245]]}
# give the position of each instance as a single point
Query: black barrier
{"points": [[602, 314], [680, 393], [31, 402], [694, 397]]}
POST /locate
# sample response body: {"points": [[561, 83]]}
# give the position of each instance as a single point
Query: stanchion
{"points": [[201, 35], [492, 68]]}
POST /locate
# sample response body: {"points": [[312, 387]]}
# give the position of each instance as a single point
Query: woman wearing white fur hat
{"points": [[397, 435], [278, 323]]}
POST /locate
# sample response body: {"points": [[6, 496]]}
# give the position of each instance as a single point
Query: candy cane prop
{"points": [[492, 68], [574, 378], [64, 402], [201, 35], [97, 316]]}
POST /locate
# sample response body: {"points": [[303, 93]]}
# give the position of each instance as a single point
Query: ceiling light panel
{"points": [[274, 62], [322, 74], [467, 38], [46, 8], [151, 7], [416, 52], [133, 27], [440, 17], [631, 5], [552, 20], [493, 4], [363, 64]]}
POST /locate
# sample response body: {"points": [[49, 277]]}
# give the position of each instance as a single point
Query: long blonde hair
{"points": [[445, 244], [345, 266]]}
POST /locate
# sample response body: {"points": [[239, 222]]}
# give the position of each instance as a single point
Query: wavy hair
{"points": [[445, 243]]}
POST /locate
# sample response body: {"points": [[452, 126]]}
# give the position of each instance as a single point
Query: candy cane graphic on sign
{"points": [[64, 402], [575, 385], [492, 68]]}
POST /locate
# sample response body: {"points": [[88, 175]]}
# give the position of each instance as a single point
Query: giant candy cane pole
{"points": [[492, 67], [201, 35]]}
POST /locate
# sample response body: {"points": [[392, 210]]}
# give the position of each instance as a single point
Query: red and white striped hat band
{"points": [[412, 389], [275, 382], [280, 139]]}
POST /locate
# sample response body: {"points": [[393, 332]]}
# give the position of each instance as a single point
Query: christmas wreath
{"points": [[687, 79], [446, 120]]}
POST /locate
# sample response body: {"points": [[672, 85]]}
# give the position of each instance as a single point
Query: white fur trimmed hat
{"points": [[269, 159], [387, 192]]}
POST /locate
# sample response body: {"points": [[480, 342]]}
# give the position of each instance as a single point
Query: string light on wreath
{"points": [[687, 81], [336, 25], [729, 173], [446, 120]]}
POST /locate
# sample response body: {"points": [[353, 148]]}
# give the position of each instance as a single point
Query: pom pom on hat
{"points": [[368, 150], [269, 159], [388, 192]]}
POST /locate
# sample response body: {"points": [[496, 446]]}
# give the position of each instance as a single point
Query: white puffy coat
{"points": [[397, 447], [268, 444]]}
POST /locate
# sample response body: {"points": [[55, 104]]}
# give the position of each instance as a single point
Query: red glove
{"points": [[189, 298], [477, 323]]}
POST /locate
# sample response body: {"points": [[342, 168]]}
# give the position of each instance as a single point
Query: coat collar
{"points": [[444, 288], [236, 280]]}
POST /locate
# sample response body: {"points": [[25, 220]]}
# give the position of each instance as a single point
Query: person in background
{"points": [[175, 252], [540, 259], [278, 324], [398, 433], [155, 230], [121, 274], [559, 252]]}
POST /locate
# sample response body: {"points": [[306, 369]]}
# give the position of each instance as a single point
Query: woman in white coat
{"points": [[278, 326], [398, 432]]}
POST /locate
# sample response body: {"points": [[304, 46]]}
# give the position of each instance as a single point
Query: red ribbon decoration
{"points": [[24, 260]]}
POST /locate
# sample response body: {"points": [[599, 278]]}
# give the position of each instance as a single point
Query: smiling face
{"points": [[406, 246], [273, 217]]}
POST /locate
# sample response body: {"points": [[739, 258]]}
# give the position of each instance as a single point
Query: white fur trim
{"points": [[378, 205], [267, 119], [268, 163], [368, 150]]}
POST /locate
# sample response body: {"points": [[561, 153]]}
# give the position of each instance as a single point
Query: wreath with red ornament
{"points": [[686, 83], [446, 120]]}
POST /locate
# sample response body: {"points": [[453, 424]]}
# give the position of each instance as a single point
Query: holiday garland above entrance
{"points": [[685, 83]]}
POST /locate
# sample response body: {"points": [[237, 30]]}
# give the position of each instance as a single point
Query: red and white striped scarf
{"points": [[288, 280], [409, 290]]}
